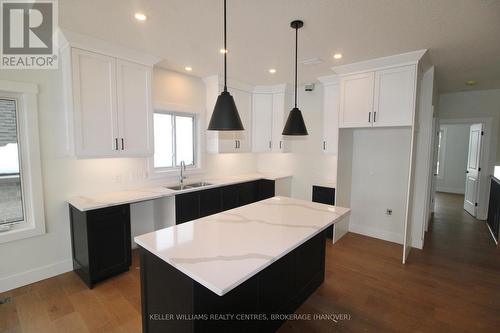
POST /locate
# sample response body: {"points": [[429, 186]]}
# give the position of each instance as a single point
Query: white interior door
{"points": [[473, 169]]}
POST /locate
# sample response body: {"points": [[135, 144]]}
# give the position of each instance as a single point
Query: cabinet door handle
{"points": [[235, 144], [116, 143], [369, 117], [123, 144], [280, 143], [375, 116], [324, 145], [238, 144], [270, 144]]}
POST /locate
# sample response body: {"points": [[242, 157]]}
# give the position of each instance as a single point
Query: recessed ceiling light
{"points": [[140, 17], [272, 71], [223, 51], [189, 69], [337, 56], [471, 82]]}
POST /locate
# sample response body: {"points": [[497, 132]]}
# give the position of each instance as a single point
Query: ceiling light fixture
{"points": [[189, 69], [272, 71], [140, 17], [225, 116], [337, 56], [295, 123]]}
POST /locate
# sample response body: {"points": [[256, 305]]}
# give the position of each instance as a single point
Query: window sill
{"points": [[21, 231]]}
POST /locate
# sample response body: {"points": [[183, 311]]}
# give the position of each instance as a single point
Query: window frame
{"points": [[175, 110], [25, 95], [441, 153]]}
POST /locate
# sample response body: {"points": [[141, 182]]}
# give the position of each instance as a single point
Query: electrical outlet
{"points": [[388, 211]]}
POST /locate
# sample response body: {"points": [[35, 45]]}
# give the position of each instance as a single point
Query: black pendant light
{"points": [[225, 116], [295, 123]]}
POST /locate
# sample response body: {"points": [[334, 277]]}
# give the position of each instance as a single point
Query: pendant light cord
{"points": [[296, 52], [225, 49]]}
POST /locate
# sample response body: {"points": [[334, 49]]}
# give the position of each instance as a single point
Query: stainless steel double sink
{"points": [[188, 186]]}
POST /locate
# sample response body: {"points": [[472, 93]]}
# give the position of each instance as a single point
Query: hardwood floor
{"points": [[453, 285]]}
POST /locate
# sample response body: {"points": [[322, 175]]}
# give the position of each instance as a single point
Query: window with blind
{"points": [[11, 194]]}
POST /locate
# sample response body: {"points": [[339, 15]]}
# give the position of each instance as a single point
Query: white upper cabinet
{"points": [[243, 100], [135, 115], [94, 104], [331, 105], [262, 115], [378, 98], [111, 103], [107, 98], [268, 117], [394, 96], [229, 141], [356, 100], [279, 145]]}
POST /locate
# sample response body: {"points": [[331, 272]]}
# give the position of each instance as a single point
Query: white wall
{"points": [[423, 172], [380, 164], [483, 104], [29, 260], [474, 104], [454, 159], [306, 160]]}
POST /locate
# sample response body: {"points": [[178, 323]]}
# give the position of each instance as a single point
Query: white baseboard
{"points": [[33, 275], [376, 233], [454, 190]]}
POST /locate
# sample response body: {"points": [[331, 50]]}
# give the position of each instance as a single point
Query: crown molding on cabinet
{"points": [[329, 80], [402, 59], [231, 84], [270, 89], [69, 38]]}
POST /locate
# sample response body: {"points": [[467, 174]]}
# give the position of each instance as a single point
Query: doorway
{"points": [[462, 163]]}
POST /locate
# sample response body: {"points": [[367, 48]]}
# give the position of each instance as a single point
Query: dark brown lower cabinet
{"points": [[101, 243], [325, 195], [172, 301], [193, 205]]}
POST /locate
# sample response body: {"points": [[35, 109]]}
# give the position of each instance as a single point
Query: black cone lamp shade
{"points": [[295, 123], [225, 116]]}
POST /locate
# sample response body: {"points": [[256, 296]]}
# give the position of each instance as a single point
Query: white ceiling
{"points": [[463, 36]]}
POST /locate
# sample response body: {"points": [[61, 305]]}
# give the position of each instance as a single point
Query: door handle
{"points": [[369, 117], [123, 144], [375, 116], [466, 171], [116, 143]]}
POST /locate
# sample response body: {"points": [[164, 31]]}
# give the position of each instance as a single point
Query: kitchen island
{"points": [[236, 271]]}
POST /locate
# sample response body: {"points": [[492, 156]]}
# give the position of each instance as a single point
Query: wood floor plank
{"points": [[453, 285]]}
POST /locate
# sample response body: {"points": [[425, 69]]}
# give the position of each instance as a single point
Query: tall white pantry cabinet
{"points": [[108, 102], [380, 93]]}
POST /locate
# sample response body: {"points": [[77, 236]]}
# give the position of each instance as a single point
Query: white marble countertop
{"points": [[222, 251], [109, 199]]}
